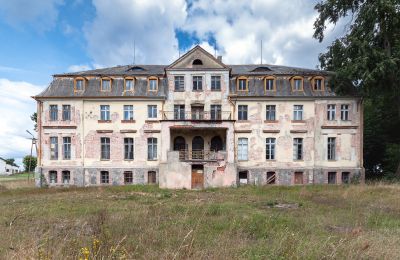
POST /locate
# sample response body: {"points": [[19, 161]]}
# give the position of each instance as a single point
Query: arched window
{"points": [[197, 147], [216, 144], [197, 62], [179, 143]]}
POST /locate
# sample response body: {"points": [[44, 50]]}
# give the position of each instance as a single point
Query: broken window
{"points": [[105, 148], [66, 177], [346, 177], [53, 176], [216, 83], [128, 177], [331, 112], [152, 111], [67, 148], [151, 177], [298, 112], [106, 85], [104, 112], [151, 148], [66, 112], [331, 177], [270, 148], [242, 112], [53, 148], [215, 112], [243, 177], [53, 112], [242, 149], [331, 148], [179, 83], [128, 112], [344, 112], [297, 148], [271, 177], [104, 177], [128, 147], [270, 112], [197, 83], [179, 112]]}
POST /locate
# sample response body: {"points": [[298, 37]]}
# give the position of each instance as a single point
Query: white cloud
{"points": [[149, 23], [42, 14], [79, 67], [16, 106]]}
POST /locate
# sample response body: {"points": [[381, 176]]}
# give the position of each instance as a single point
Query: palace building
{"points": [[198, 123]]}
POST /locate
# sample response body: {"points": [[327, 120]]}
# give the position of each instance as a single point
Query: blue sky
{"points": [[42, 38]]}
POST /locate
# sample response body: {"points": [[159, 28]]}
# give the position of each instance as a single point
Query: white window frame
{"points": [[105, 112], [243, 149], [270, 148], [128, 113], [297, 112], [152, 111], [331, 148], [152, 149], [298, 149], [66, 148], [345, 112], [270, 112], [331, 112]]}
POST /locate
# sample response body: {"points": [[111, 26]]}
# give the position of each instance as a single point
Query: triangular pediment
{"points": [[197, 58]]}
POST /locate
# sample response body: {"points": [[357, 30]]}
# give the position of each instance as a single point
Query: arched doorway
{"points": [[216, 144], [179, 143], [197, 147]]}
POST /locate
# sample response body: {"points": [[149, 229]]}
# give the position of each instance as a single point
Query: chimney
{"points": [[219, 58]]}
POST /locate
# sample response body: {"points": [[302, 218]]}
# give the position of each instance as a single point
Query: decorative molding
{"points": [[298, 131], [243, 131], [271, 131], [152, 121], [339, 126], [152, 131], [103, 121], [128, 121], [104, 131], [128, 131], [59, 127]]}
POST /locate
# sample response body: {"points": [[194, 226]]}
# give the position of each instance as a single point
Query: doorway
{"points": [[197, 176], [243, 177], [298, 178]]}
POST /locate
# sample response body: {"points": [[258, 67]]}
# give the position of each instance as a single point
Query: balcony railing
{"points": [[193, 116], [201, 155]]}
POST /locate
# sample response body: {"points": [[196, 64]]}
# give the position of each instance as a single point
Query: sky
{"points": [[46, 37]]}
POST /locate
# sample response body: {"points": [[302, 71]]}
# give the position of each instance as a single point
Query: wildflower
{"points": [[85, 252]]}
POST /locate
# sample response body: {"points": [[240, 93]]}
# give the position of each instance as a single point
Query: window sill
{"points": [[104, 160], [215, 90], [152, 160], [270, 160], [129, 160], [103, 121], [197, 90], [298, 160], [128, 121], [243, 160], [175, 90], [152, 121], [243, 121], [271, 121], [298, 121]]}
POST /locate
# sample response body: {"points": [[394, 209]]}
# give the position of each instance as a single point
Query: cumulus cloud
{"points": [[149, 23], [42, 14], [79, 67], [16, 107]]}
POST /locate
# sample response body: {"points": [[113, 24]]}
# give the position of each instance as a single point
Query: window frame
{"points": [[83, 84], [149, 80], [242, 113], [179, 81], [55, 149], [64, 112], [270, 148], [128, 177], [298, 112], [314, 80], [53, 173], [54, 112], [243, 149], [215, 112], [331, 149], [197, 82], [213, 87], [65, 174], [298, 149], [104, 179], [133, 84], [102, 84], [179, 112], [266, 79], [129, 148], [152, 111], [330, 179], [105, 148], [331, 112], [107, 113], [268, 112], [66, 153], [129, 112], [345, 111], [152, 147], [238, 80], [292, 83]]}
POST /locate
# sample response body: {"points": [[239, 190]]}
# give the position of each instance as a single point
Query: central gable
{"points": [[197, 58]]}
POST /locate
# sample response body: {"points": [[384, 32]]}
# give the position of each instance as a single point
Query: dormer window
{"points": [[153, 83], [269, 83], [129, 84], [242, 84], [79, 84], [318, 83], [197, 62], [297, 84], [106, 84]]}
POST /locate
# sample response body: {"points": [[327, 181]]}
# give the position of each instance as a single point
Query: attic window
{"points": [[136, 68], [197, 62], [259, 69]]}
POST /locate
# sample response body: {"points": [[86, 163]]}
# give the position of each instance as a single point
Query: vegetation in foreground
{"points": [[128, 222]]}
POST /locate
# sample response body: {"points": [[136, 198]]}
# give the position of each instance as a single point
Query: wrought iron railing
{"points": [[196, 115], [207, 155]]}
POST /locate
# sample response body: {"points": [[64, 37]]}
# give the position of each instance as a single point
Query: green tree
{"points": [[30, 163], [34, 119], [366, 60], [10, 161]]}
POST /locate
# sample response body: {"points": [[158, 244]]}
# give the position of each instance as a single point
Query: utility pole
{"points": [[33, 143], [261, 53]]}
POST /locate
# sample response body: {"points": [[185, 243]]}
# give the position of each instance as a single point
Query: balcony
{"points": [[196, 116], [201, 155]]}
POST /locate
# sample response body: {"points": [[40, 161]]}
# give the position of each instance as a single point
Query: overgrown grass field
{"points": [[146, 222]]}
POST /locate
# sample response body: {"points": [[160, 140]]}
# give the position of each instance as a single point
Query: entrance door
{"points": [[197, 177], [298, 178]]}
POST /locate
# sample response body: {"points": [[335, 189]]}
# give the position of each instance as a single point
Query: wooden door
{"points": [[197, 179], [298, 178]]}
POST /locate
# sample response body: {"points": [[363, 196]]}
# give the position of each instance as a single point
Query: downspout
{"points": [[362, 139], [234, 122]]}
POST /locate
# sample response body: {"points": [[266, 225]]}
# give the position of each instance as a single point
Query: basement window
{"points": [[243, 177], [271, 177], [346, 177], [128, 177], [331, 177], [53, 177], [66, 177], [104, 177]]}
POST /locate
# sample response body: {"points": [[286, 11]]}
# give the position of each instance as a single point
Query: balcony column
{"points": [[165, 140], [230, 144]]}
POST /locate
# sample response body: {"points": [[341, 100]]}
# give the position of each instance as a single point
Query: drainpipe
{"points": [[234, 122]]}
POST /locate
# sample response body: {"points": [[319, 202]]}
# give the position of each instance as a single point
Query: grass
{"points": [[126, 222]]}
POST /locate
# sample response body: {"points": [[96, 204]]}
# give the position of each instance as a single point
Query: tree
{"points": [[10, 161], [30, 163], [367, 63], [34, 119]]}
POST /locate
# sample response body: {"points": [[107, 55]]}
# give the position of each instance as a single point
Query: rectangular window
{"points": [[197, 83], [152, 111], [104, 177], [242, 84], [104, 112], [331, 177], [197, 112], [128, 112], [297, 85], [79, 85], [269, 84], [152, 148], [242, 112], [270, 112], [298, 112], [331, 112], [318, 84], [179, 112], [345, 177], [66, 177], [106, 85], [53, 112], [179, 83], [298, 149], [53, 176], [216, 83], [129, 85], [128, 146], [66, 148], [53, 148], [215, 112], [331, 148], [128, 177], [105, 148], [270, 148], [344, 112], [153, 84], [242, 149], [66, 112]]}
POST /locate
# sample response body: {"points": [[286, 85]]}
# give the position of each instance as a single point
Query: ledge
{"points": [[103, 121], [127, 131], [298, 121], [243, 131], [298, 131], [59, 127], [271, 121], [271, 131], [152, 121], [128, 121], [104, 131], [152, 131], [339, 127]]}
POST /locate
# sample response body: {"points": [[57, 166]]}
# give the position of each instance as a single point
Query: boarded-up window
{"points": [[271, 177], [298, 178], [151, 177]]}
